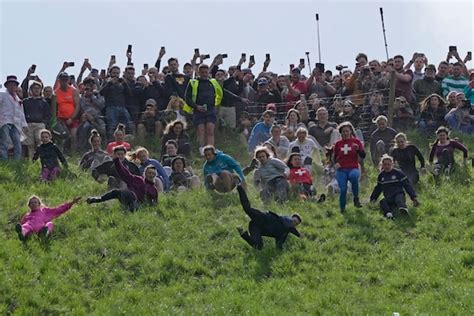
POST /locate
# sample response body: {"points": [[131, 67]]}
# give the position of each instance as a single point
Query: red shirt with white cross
{"points": [[345, 154], [300, 175]]}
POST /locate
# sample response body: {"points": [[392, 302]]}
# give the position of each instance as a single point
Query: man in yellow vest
{"points": [[204, 95]]}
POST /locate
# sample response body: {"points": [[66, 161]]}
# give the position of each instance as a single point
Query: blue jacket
{"points": [[222, 162], [160, 170], [260, 134]]}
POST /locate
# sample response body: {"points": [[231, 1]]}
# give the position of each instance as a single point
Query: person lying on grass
{"points": [[40, 217], [392, 183], [266, 224], [139, 188]]}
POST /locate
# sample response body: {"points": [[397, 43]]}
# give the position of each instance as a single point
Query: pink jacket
{"points": [[38, 219]]}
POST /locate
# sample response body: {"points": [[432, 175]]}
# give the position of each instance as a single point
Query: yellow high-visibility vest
{"points": [[218, 92]]}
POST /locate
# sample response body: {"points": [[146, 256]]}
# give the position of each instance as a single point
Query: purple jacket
{"points": [[143, 190]]}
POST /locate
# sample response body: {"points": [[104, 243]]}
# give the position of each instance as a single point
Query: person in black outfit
{"points": [[392, 183], [405, 155], [49, 155], [266, 224]]}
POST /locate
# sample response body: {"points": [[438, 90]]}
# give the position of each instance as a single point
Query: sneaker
{"points": [[201, 151], [43, 232], [357, 202], [18, 229], [447, 170], [404, 211], [389, 215], [322, 198], [241, 231], [253, 164], [92, 199]]}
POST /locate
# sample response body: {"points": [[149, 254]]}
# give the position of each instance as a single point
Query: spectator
{"points": [[38, 116], [305, 146], [314, 85], [292, 124], [155, 90], [325, 132], [68, 107], [271, 177], [119, 136], [443, 148], [12, 119], [405, 154], [456, 82], [428, 85], [141, 157], [204, 95], [296, 86], [443, 71], [176, 130], [261, 131], [418, 60], [381, 139], [96, 155], [459, 118], [469, 90], [115, 90], [302, 109], [301, 181], [92, 104], [50, 155], [392, 183], [134, 98], [149, 124], [433, 111], [404, 78], [404, 117], [181, 177], [451, 98], [176, 83], [279, 142], [171, 153], [218, 171], [234, 84], [347, 152]]}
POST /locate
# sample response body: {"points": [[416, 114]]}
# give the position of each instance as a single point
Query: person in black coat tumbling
{"points": [[392, 183], [266, 224]]}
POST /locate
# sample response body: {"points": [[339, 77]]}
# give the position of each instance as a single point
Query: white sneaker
{"points": [[389, 215]]}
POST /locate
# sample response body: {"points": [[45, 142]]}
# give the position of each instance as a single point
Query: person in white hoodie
{"points": [[305, 146]]}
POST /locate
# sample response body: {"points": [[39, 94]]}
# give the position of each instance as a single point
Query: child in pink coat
{"points": [[39, 219]]}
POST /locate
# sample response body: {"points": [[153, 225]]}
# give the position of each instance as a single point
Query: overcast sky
{"points": [[47, 33]]}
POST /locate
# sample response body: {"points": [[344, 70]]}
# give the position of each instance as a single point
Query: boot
{"points": [[357, 202], [92, 199]]}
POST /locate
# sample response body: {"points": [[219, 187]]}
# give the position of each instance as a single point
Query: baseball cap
{"points": [[262, 81]]}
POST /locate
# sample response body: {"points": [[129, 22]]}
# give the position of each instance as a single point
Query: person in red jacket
{"points": [[300, 179], [346, 158], [40, 218], [139, 189]]}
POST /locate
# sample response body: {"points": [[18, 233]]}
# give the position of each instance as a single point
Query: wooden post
{"points": [[391, 98]]}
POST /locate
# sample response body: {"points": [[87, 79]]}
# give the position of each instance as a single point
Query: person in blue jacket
{"points": [[142, 157], [393, 183], [221, 171], [261, 131]]}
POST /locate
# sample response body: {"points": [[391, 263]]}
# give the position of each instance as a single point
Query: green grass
{"points": [[185, 256]]}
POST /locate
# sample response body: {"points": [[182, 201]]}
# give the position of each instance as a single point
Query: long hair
{"points": [[133, 155], [288, 160], [169, 128], [94, 134], [426, 103]]}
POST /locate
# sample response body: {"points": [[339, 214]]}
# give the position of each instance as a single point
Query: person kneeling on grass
{"points": [[139, 189], [266, 224], [40, 218], [218, 171], [392, 183]]}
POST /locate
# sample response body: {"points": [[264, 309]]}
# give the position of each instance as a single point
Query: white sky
{"points": [[47, 33]]}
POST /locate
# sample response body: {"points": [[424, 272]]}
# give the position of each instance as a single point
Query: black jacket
{"points": [[37, 110], [391, 184], [49, 155]]}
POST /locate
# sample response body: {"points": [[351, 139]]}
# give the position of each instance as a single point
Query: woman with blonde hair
{"points": [[141, 157], [405, 154]]}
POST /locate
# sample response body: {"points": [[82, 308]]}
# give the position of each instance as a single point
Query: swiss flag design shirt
{"points": [[300, 175], [346, 155]]}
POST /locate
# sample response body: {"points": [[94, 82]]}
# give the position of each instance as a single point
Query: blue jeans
{"points": [[10, 132], [344, 175], [115, 115]]}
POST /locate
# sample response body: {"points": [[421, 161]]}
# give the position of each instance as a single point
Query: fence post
{"points": [[391, 98]]}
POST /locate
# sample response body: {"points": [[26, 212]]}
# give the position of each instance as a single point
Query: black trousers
{"points": [[395, 201], [254, 236], [126, 197]]}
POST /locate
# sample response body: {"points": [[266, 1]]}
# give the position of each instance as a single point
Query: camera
{"points": [[341, 67]]}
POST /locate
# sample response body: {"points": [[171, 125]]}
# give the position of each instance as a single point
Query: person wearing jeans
{"points": [[12, 119], [346, 157]]}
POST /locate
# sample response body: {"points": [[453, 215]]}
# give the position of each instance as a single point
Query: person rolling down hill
{"points": [[139, 189], [392, 183], [40, 218], [266, 224]]}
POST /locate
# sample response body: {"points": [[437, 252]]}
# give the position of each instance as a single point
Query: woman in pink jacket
{"points": [[39, 219]]}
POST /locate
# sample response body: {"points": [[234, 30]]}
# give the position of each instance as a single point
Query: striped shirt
{"points": [[452, 84]]}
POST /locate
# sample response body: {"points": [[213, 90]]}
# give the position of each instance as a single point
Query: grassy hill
{"points": [[185, 256]]}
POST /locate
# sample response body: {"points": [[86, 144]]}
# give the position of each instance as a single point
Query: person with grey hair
{"points": [[381, 139]]}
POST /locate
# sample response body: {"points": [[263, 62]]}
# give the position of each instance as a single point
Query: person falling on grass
{"points": [[392, 183], [139, 189], [40, 218], [266, 224]]}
